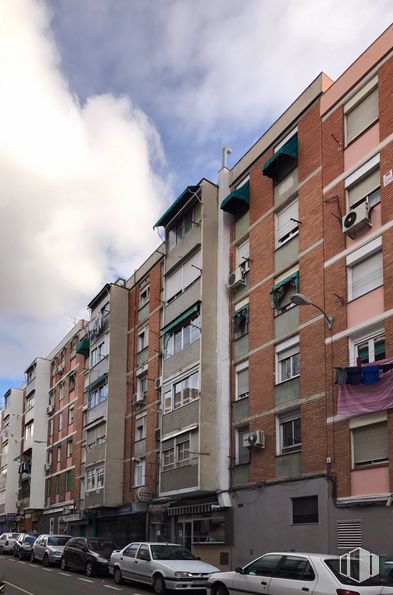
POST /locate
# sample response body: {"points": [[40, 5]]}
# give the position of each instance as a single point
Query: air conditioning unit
{"points": [[50, 409], [158, 383], [236, 279], [254, 439], [139, 398], [47, 467], [356, 218]]}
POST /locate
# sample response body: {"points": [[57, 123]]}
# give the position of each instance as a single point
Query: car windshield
{"points": [[171, 552], [101, 545], [58, 539], [30, 538], [384, 577]]}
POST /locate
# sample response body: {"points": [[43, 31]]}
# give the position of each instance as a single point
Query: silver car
{"points": [[49, 548], [163, 565], [7, 542]]}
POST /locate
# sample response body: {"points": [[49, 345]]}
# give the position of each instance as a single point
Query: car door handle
{"points": [[305, 589], [263, 583]]}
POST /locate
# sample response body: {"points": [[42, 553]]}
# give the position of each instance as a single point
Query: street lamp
{"points": [[301, 300]]}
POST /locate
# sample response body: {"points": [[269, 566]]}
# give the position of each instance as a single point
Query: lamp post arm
{"points": [[329, 319]]}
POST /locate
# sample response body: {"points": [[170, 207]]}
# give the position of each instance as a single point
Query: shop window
{"points": [[242, 388], [241, 321], [287, 223], [289, 426], [209, 530], [361, 111], [287, 360], [370, 445], [305, 510], [242, 450], [181, 228]]}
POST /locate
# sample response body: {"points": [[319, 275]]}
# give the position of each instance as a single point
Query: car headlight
{"points": [[183, 574], [102, 560]]}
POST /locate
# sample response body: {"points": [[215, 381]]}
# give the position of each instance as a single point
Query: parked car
{"points": [[7, 541], [163, 565], [282, 573], [48, 549], [23, 546], [88, 554]]}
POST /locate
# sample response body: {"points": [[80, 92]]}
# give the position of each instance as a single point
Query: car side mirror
{"points": [[239, 569]]}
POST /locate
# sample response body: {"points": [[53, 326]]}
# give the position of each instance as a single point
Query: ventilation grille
{"points": [[349, 534]]}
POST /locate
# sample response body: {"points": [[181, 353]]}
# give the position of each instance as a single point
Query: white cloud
{"points": [[79, 192]]}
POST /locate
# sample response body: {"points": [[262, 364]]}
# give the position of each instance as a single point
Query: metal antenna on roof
{"points": [[224, 159]]}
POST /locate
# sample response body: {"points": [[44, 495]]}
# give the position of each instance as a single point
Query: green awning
{"points": [[97, 382], [176, 206], [83, 346], [286, 154], [293, 276], [180, 318], [238, 201]]}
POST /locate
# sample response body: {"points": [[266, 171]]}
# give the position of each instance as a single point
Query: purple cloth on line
{"points": [[367, 398]]}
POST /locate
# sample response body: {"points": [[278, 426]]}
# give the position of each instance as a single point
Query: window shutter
{"points": [[242, 382], [173, 283], [370, 443], [364, 187], [285, 225], [288, 352], [190, 273], [367, 275], [364, 114], [242, 252]]}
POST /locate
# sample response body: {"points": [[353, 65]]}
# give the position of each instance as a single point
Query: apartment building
{"points": [[310, 215], [11, 418], [64, 432]]}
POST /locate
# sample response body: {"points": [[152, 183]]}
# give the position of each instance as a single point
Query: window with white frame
{"points": [[168, 455], [176, 452], [364, 184], [71, 412], [30, 399], [361, 111], [50, 457], [61, 390], [365, 269], [69, 449], [142, 385], [51, 425], [181, 228], [100, 475], [370, 445], [243, 256], [287, 360], [140, 428], [139, 472], [95, 478], [289, 432], [144, 295], [183, 451], [98, 353], [242, 450], [287, 223], [186, 333], [143, 338], [60, 421], [98, 396], [181, 392], [241, 319], [368, 347], [29, 430], [58, 454], [177, 281], [96, 436], [242, 389]]}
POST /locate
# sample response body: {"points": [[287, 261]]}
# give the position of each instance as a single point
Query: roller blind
{"points": [[366, 275], [363, 188], [361, 116], [370, 444], [286, 225]]}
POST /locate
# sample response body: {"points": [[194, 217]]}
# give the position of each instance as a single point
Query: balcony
{"points": [[83, 346], [97, 412], [98, 371]]}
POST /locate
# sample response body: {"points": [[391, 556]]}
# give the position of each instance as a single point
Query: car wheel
{"points": [[63, 564], [159, 585], [118, 578], [220, 589], [32, 558], [45, 560], [90, 569]]}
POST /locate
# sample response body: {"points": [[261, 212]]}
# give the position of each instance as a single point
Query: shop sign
{"points": [[144, 495], [11, 516]]}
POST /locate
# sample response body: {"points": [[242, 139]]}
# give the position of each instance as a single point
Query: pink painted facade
{"points": [[365, 307], [370, 481], [359, 148]]}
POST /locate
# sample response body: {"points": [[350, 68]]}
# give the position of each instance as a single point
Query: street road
{"points": [[33, 579]]}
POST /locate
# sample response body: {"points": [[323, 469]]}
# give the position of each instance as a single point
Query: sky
{"points": [[110, 108]]}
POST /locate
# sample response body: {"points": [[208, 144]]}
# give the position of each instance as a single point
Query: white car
{"points": [[287, 573], [7, 542], [164, 566]]}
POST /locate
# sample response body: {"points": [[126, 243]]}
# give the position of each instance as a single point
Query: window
{"points": [[182, 335], [242, 450], [295, 568], [95, 478], [100, 474], [68, 481], [139, 472], [242, 381], [69, 448], [144, 295], [30, 374], [60, 422], [243, 256], [210, 530], [143, 338], [181, 393], [57, 484], [58, 456], [142, 385], [105, 309], [264, 566], [283, 289], [29, 430], [287, 223], [361, 111], [168, 456], [370, 445], [51, 427], [71, 382], [289, 432], [364, 184], [181, 229], [98, 396], [98, 353], [365, 275], [96, 436], [61, 390], [140, 428], [240, 320], [30, 399], [177, 281], [183, 452], [305, 510], [50, 457], [71, 416], [287, 360]]}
